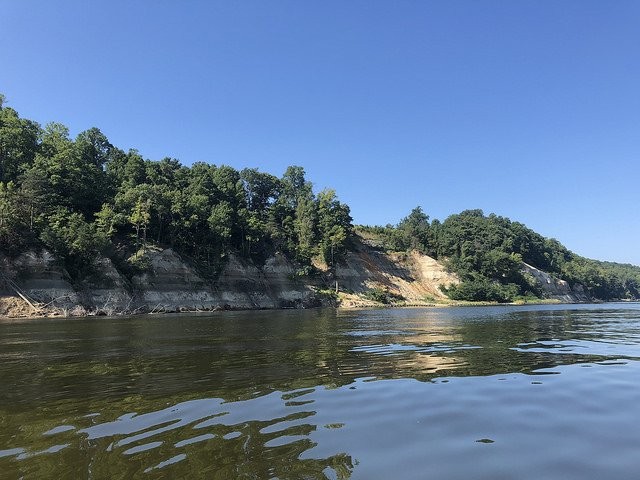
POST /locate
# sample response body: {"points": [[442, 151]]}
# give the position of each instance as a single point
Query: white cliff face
{"points": [[169, 285], [556, 288], [37, 275], [172, 284]]}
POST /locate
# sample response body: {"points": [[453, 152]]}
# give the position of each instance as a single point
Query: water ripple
{"points": [[500, 392]]}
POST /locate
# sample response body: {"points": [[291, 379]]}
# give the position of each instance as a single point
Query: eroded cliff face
{"points": [[413, 278], [32, 284], [173, 285], [555, 288]]}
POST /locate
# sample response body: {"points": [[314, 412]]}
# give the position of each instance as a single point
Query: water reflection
{"points": [[264, 437], [289, 394]]}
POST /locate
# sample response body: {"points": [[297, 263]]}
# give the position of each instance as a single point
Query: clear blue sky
{"points": [[529, 109]]}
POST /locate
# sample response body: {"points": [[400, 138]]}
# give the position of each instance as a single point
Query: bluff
{"points": [[87, 205], [555, 288], [34, 284], [168, 284]]}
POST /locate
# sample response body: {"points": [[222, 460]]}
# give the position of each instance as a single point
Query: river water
{"points": [[446, 393]]}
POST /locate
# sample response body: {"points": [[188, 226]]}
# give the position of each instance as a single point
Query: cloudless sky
{"points": [[529, 109]]}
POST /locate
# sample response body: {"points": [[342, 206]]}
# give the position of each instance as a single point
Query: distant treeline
{"points": [[84, 198], [487, 253]]}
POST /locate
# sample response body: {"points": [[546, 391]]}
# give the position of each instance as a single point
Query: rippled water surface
{"points": [[474, 393]]}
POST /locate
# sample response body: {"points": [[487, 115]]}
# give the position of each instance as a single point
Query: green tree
{"points": [[73, 240], [334, 225], [305, 226], [18, 143], [140, 218], [415, 232], [13, 227]]}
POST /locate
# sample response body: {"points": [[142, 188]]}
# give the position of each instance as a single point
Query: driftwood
{"points": [[12, 285]]}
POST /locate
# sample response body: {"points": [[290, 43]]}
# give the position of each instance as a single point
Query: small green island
{"points": [[87, 228]]}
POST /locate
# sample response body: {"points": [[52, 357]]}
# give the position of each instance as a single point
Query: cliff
{"points": [[33, 284], [555, 288], [169, 284], [408, 278]]}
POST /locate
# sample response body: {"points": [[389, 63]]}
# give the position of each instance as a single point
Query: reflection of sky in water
{"points": [[395, 348], [584, 347], [376, 333], [268, 421]]}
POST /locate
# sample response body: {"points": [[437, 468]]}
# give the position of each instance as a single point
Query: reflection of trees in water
{"points": [[454, 342], [247, 354]]}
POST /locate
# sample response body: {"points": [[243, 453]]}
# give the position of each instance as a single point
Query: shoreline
{"points": [[81, 312]]}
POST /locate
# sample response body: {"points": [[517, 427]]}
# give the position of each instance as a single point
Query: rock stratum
{"points": [[34, 285]]}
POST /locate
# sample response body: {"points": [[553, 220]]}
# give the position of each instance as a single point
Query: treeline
{"points": [[83, 198], [487, 252]]}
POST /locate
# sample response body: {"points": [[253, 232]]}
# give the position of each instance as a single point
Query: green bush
{"points": [[382, 296]]}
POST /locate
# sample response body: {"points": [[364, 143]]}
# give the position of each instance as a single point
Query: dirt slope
{"points": [[414, 277]]}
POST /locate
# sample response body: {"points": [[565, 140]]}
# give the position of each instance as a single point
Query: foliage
{"points": [[382, 296], [73, 239], [487, 252], [83, 197], [479, 288]]}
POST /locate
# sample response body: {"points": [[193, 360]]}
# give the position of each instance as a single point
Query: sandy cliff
{"points": [[413, 278], [33, 284], [555, 288]]}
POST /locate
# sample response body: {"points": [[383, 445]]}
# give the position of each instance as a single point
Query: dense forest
{"points": [[84, 198]]}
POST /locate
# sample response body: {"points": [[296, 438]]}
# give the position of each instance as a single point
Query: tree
{"points": [[94, 147], [73, 240], [415, 232], [13, 228], [140, 220], [334, 224], [295, 186], [221, 223], [261, 189], [18, 143], [107, 220]]}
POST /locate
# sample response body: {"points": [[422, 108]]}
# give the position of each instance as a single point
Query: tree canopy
{"points": [[83, 197]]}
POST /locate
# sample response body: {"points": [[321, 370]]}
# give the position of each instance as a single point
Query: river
{"points": [[447, 393]]}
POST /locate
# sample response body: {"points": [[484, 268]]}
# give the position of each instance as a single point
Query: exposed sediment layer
{"points": [[170, 284], [34, 285]]}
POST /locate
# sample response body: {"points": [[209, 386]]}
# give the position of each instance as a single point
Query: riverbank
{"points": [[33, 285], [14, 308]]}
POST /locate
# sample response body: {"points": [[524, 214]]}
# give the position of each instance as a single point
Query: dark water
{"points": [[480, 393]]}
